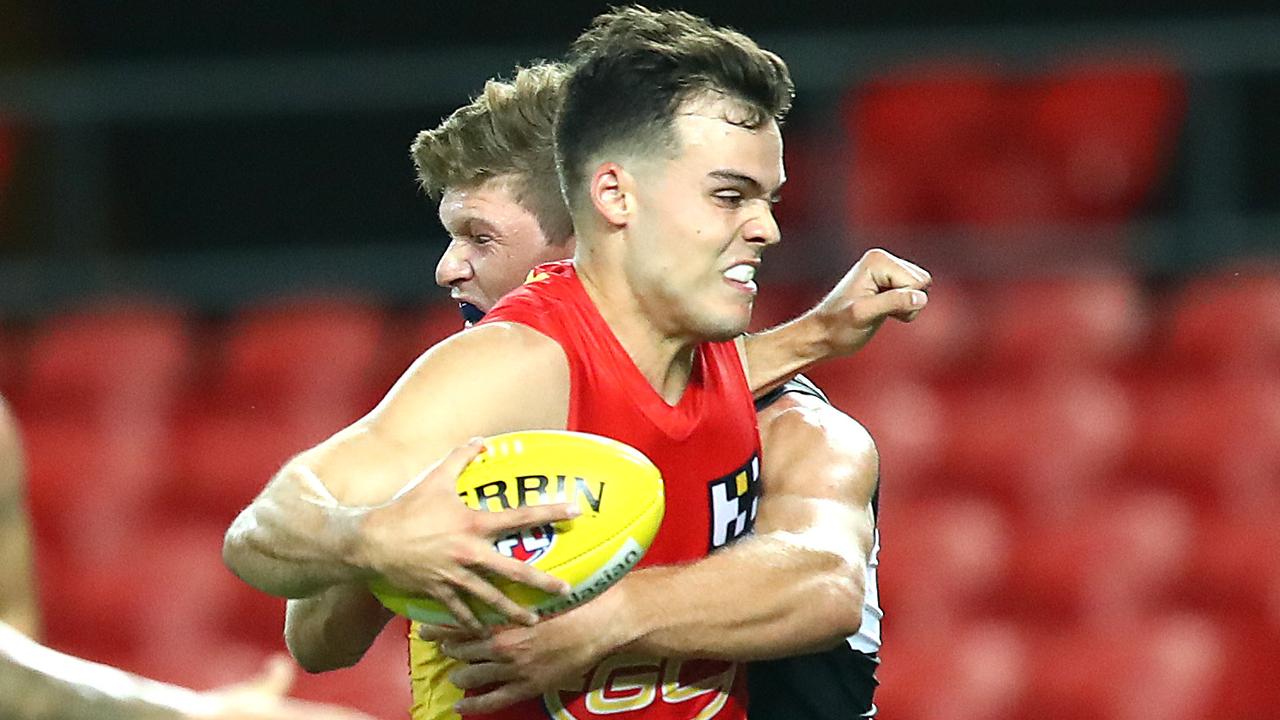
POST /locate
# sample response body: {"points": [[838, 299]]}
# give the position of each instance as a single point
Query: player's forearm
{"points": [[295, 539], [37, 683], [334, 629], [17, 592], [17, 580], [763, 597], [776, 355]]}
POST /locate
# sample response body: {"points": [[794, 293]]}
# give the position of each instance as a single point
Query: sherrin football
{"points": [[618, 489]]}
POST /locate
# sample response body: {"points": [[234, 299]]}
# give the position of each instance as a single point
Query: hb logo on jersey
{"points": [[527, 545], [734, 500]]}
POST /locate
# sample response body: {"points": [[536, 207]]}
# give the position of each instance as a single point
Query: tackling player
{"points": [[672, 212]]}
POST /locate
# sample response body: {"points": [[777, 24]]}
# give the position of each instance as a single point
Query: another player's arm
{"points": [[815, 526], [38, 683], [17, 592], [335, 628], [878, 286], [803, 568], [362, 502], [795, 586]]}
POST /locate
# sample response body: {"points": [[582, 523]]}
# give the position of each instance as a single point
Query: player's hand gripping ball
{"points": [[620, 493]]}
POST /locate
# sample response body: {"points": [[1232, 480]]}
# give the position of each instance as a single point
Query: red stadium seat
{"points": [[1040, 442], [1214, 434], [142, 589], [178, 582], [970, 671], [1047, 323], [1176, 437], [222, 459], [911, 132], [254, 618], [1247, 472], [941, 560], [291, 374], [1248, 689], [960, 145], [74, 596], [1130, 555], [1108, 130], [310, 357], [1005, 191], [1151, 666], [87, 481], [120, 358], [1235, 569], [1228, 320], [945, 145], [95, 407], [145, 603]]}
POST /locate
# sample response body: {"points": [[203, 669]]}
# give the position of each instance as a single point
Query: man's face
{"points": [[494, 243], [702, 221]]}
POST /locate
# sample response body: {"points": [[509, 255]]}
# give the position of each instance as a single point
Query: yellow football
{"points": [[620, 493]]}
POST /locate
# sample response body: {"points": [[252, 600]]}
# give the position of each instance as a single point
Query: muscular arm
{"points": [[37, 683], [348, 509], [335, 628], [774, 356], [318, 522], [803, 568], [795, 586], [18, 605]]}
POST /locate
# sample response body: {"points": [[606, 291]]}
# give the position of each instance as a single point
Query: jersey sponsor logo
{"points": [[527, 545], [734, 500]]}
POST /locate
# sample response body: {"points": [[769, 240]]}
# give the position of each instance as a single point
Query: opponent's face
{"points": [[494, 243], [702, 222]]}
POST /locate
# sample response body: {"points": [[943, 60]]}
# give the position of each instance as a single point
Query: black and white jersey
{"points": [[836, 683]]}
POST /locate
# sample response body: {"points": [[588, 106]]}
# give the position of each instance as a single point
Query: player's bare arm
{"points": [[17, 594], [335, 628], [377, 499], [37, 683], [807, 565], [879, 286]]}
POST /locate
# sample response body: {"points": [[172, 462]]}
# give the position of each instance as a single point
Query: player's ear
{"points": [[612, 193]]}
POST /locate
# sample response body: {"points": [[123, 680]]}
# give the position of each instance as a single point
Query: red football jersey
{"points": [[707, 447]]}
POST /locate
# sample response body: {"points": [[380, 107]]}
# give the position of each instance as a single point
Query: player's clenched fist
{"points": [[878, 286]]}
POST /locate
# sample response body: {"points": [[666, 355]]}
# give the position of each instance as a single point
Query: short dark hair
{"points": [[633, 68], [506, 130]]}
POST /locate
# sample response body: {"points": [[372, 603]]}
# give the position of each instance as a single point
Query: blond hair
{"points": [[507, 131]]}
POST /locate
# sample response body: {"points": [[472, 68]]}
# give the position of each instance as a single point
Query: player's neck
{"points": [[665, 360]]}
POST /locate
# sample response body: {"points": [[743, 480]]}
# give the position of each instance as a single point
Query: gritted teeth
{"points": [[741, 273]]}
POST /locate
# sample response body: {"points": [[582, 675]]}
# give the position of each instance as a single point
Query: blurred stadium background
{"points": [[212, 255]]}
